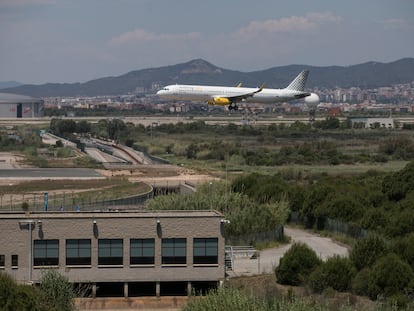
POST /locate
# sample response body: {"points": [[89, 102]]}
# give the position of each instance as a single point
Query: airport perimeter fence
{"points": [[69, 202], [253, 238], [328, 224]]}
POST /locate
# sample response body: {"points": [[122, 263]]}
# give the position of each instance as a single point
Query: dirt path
{"points": [[269, 258]]}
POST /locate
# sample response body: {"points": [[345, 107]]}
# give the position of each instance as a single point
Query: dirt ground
{"points": [[10, 160]]}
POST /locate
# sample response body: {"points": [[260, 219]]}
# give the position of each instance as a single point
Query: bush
{"points": [[405, 249], [18, 297], [389, 276], [296, 265], [58, 290], [337, 272], [360, 282], [366, 251]]}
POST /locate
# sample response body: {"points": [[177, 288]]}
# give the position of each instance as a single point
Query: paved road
{"points": [[269, 258]]}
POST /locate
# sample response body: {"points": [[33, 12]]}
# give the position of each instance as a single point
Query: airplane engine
{"points": [[221, 101], [312, 101]]}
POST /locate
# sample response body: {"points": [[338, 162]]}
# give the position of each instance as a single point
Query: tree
{"points": [[397, 185], [57, 290], [404, 247], [389, 276], [329, 123], [296, 265], [62, 127], [19, 297], [114, 128], [191, 151], [337, 272], [366, 251], [83, 127]]}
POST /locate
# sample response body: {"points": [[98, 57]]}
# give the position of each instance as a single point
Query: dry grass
{"points": [[265, 286]]}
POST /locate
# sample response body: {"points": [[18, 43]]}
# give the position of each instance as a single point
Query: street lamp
{"points": [[29, 223], [211, 198]]}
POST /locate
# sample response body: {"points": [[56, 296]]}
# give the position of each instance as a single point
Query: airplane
{"points": [[230, 96]]}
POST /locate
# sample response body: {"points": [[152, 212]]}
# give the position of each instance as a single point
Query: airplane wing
{"points": [[238, 98]]}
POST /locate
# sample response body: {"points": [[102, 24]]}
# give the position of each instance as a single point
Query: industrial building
{"points": [[20, 106], [371, 123], [123, 253]]}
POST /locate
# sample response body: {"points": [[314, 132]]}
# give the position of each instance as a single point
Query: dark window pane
{"points": [[205, 251], [174, 251], [142, 251], [15, 260], [78, 252], [46, 253], [110, 252]]}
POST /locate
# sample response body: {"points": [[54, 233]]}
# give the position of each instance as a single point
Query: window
{"points": [[46, 252], [205, 251], [2, 261], [15, 260], [174, 251], [110, 252], [78, 252], [142, 251]]}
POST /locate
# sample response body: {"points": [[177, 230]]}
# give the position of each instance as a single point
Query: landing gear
{"points": [[233, 107], [312, 113]]}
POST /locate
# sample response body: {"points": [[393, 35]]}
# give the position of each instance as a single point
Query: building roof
{"points": [[113, 214], [7, 98]]}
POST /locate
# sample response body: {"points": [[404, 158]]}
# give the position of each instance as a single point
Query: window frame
{"points": [[50, 246], [14, 260], [79, 248], [110, 260], [2, 261], [142, 246], [205, 251], [172, 246]]}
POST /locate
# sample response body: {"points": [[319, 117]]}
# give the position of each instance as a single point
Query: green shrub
{"points": [[366, 251], [389, 276], [337, 273], [57, 290], [405, 249], [18, 297], [360, 282], [227, 298], [296, 265]]}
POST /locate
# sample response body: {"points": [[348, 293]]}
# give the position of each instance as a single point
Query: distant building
{"points": [[372, 122], [20, 106], [117, 253]]}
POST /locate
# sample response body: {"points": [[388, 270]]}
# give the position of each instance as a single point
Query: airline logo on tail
{"points": [[298, 84]]}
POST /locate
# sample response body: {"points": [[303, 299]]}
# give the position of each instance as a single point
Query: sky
{"points": [[65, 41]]}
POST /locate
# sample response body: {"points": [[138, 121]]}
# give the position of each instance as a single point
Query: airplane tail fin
{"points": [[298, 84]]}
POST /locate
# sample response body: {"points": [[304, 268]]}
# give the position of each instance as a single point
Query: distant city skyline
{"points": [[76, 41]]}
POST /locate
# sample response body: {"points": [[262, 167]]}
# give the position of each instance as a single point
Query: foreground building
{"points": [[20, 106], [117, 253]]}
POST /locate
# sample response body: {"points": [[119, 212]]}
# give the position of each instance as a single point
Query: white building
{"points": [[20, 106]]}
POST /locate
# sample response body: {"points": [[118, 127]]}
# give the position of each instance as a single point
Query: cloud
{"points": [[290, 24], [397, 24], [141, 35]]}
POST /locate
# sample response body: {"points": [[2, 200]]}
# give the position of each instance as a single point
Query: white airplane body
{"points": [[223, 96]]}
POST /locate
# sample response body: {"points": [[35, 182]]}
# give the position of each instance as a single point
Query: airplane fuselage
{"points": [[230, 96], [207, 93]]}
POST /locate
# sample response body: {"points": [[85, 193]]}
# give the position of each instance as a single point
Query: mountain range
{"points": [[199, 71], [8, 84]]}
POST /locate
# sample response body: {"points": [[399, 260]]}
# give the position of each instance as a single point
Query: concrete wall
{"points": [[16, 239]]}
